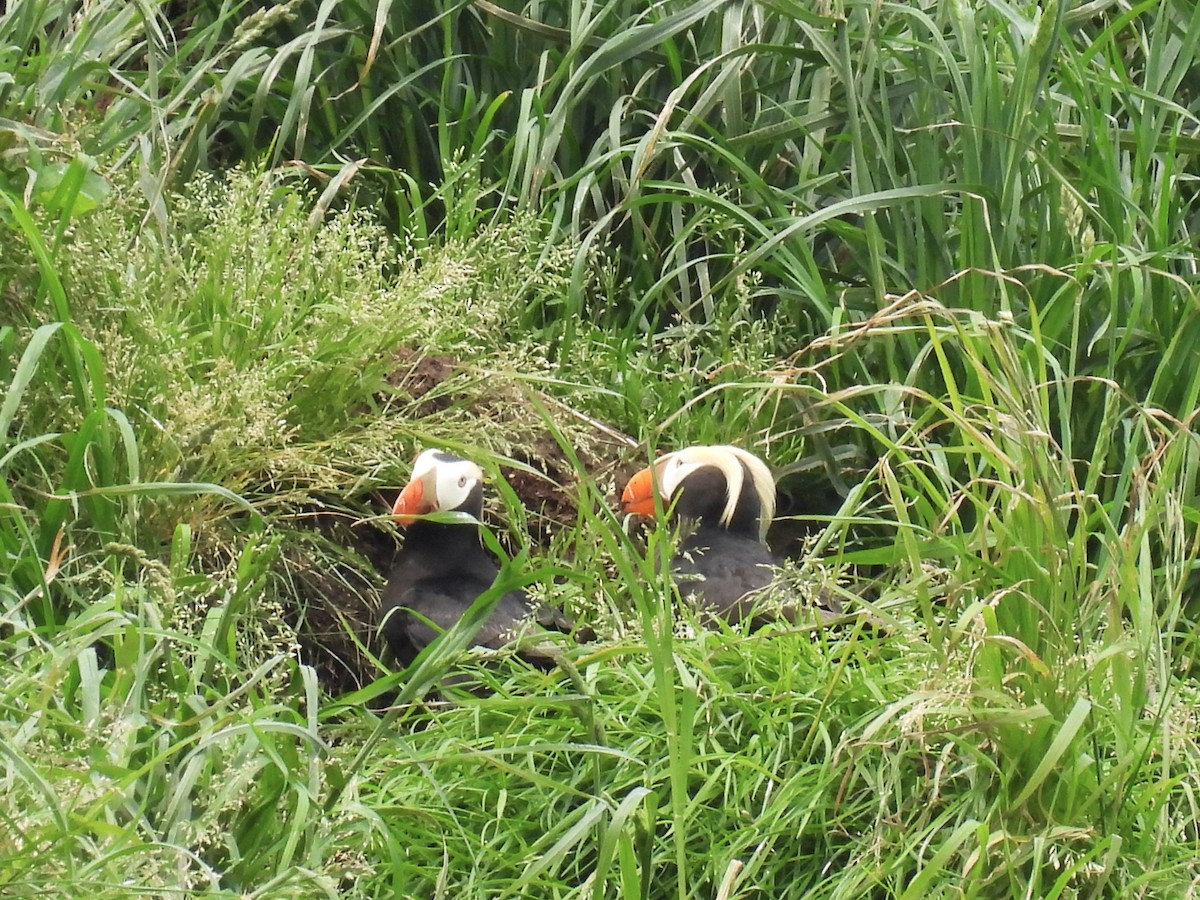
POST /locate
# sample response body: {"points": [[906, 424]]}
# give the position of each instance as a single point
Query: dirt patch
{"points": [[549, 494], [419, 375], [334, 616], [333, 576]]}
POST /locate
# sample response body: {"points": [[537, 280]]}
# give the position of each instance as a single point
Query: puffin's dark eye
{"points": [[462, 482]]}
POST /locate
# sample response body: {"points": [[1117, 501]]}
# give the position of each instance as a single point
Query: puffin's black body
{"points": [[723, 564], [443, 568]]}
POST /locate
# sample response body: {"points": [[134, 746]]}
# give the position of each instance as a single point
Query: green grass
{"points": [[934, 262], [1012, 718]]}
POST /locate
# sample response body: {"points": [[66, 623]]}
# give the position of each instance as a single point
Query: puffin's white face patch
{"points": [[448, 479], [672, 470]]}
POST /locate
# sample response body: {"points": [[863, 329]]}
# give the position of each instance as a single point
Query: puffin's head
{"points": [[720, 484], [440, 482]]}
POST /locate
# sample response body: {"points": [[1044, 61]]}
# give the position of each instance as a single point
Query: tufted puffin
{"points": [[443, 567], [730, 495]]}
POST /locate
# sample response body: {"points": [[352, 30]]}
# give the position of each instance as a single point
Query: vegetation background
{"points": [[935, 261]]}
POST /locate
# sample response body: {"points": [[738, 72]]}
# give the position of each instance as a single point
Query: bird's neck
{"points": [[710, 526], [744, 521], [453, 541]]}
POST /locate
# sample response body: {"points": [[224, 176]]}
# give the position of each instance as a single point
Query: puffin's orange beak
{"points": [[638, 496], [411, 502]]}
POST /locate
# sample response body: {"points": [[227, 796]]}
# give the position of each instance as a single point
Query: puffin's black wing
{"points": [[415, 615], [720, 569]]}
